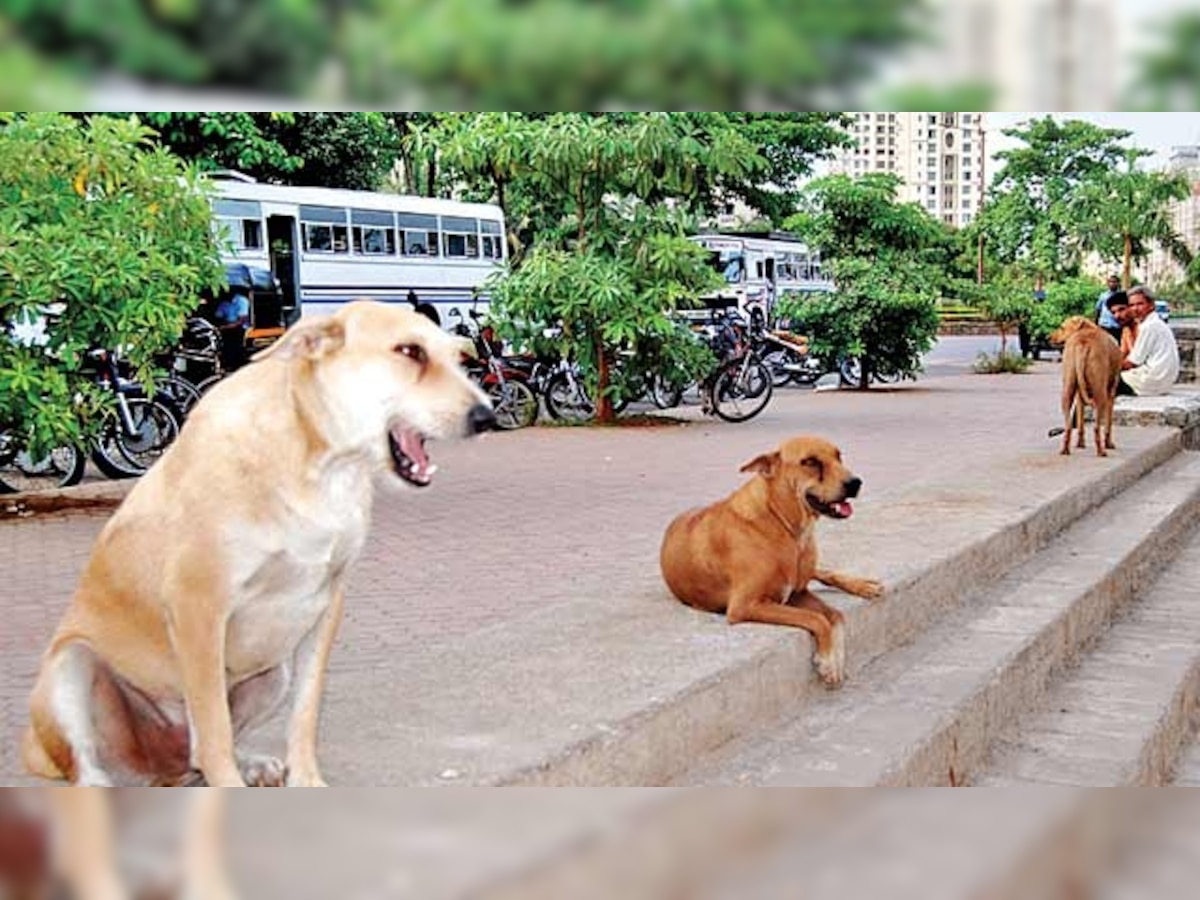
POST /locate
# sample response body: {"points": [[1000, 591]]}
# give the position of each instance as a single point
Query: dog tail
{"points": [[1081, 380]]}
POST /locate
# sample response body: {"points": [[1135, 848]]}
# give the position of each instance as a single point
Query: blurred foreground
{"points": [[571, 54], [644, 843]]}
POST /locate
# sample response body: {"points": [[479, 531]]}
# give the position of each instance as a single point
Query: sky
{"points": [[1153, 131]]}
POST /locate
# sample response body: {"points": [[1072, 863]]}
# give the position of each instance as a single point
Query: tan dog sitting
{"points": [[1091, 370], [216, 589], [752, 555]]}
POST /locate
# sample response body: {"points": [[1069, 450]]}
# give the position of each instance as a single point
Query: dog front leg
{"points": [[85, 852], [312, 663], [198, 634], [205, 876], [826, 634], [866, 588]]}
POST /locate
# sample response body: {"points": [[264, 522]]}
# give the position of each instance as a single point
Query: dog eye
{"points": [[415, 352], [812, 462]]}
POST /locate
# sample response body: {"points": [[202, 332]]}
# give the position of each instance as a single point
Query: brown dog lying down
{"points": [[1091, 369], [752, 555], [216, 589]]}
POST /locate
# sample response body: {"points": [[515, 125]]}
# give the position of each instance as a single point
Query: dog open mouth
{"points": [[409, 459], [838, 509]]}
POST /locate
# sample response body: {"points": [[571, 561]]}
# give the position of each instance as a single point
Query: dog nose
{"points": [[480, 419], [853, 485]]}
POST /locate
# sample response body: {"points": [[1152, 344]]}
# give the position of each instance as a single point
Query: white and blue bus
{"points": [[327, 246], [760, 269]]}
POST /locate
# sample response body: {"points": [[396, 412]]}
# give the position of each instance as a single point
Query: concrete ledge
{"points": [[628, 690], [1178, 409]]}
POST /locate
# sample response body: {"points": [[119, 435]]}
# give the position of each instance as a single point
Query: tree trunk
{"points": [[1128, 261], [431, 178], [864, 373], [604, 406]]}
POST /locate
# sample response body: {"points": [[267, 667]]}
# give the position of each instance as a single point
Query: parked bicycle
{"points": [[740, 387]]}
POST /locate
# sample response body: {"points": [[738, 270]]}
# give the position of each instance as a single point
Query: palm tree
{"points": [[1123, 212]]}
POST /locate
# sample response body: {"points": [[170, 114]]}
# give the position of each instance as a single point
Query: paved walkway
{"points": [[524, 522]]}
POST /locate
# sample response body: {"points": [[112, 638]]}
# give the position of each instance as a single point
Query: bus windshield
{"points": [[730, 263]]}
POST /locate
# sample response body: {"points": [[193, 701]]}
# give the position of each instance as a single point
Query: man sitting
{"points": [[1152, 366]]}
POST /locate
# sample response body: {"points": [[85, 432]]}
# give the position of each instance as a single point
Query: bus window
{"points": [[493, 248], [324, 229], [492, 240], [373, 232], [325, 238], [461, 237], [419, 234]]}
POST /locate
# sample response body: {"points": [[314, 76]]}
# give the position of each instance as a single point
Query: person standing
{"points": [[1103, 315]]}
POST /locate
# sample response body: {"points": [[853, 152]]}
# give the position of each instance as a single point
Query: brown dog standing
{"points": [[1091, 368], [752, 555]]}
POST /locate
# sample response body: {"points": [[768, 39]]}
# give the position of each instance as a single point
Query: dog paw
{"points": [[872, 590], [262, 771], [831, 665], [306, 780]]}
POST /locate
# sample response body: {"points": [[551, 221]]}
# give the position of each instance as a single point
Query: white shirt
{"points": [[1155, 356]]}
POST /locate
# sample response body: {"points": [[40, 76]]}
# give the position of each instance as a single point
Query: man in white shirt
{"points": [[1152, 366]]}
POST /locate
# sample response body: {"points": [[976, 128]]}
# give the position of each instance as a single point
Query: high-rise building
{"points": [[938, 156], [1033, 54], [1185, 217]]}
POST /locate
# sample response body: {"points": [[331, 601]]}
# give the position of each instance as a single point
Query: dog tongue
{"points": [[413, 446], [844, 509]]}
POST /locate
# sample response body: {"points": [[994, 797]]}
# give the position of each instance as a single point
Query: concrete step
{"points": [[935, 845], [927, 713], [1122, 716], [531, 844], [627, 690]]}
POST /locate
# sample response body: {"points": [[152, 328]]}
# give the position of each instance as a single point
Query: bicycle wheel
{"points": [[850, 372], [776, 361], [665, 394], [514, 403], [738, 396], [21, 472], [183, 394], [155, 428], [566, 399]]}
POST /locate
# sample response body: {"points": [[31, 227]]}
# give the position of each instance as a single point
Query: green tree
{"points": [[1168, 75], [116, 231], [888, 262], [538, 54], [1031, 217], [883, 315], [342, 150], [226, 140], [1125, 211], [616, 259]]}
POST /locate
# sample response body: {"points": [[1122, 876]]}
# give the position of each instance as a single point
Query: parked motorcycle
{"points": [[513, 400]]}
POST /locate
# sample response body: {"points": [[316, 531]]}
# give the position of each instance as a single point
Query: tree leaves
{"points": [[119, 281]]}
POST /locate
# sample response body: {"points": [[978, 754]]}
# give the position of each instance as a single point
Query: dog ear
{"points": [[766, 465], [307, 340]]}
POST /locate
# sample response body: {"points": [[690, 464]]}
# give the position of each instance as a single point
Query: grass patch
{"points": [[1001, 364]]}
